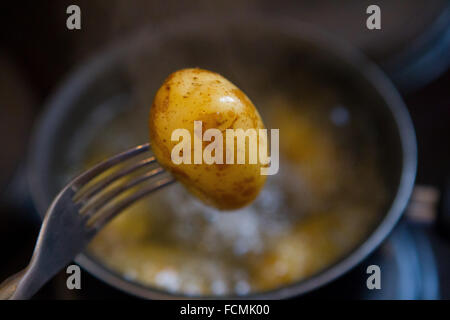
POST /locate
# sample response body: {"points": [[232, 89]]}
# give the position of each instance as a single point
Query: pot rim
{"points": [[43, 138]]}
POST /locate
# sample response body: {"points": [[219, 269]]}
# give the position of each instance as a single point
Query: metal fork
{"points": [[78, 212]]}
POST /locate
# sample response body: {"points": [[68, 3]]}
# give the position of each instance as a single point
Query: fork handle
{"points": [[9, 286]]}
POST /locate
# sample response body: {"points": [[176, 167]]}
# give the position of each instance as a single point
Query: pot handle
{"points": [[9, 286]]}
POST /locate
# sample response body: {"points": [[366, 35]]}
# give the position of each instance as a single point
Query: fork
{"points": [[79, 211]]}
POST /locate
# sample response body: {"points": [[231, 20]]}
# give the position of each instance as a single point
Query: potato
{"points": [[190, 95]]}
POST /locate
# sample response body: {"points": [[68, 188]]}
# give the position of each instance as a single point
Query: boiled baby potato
{"points": [[190, 95]]}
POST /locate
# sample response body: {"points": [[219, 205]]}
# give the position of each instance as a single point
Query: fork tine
{"points": [[98, 222], [92, 191], [91, 208], [102, 166]]}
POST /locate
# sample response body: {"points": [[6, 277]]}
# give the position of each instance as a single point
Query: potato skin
{"points": [[190, 95]]}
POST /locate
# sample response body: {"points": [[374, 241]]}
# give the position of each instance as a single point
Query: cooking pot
{"points": [[227, 45]]}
